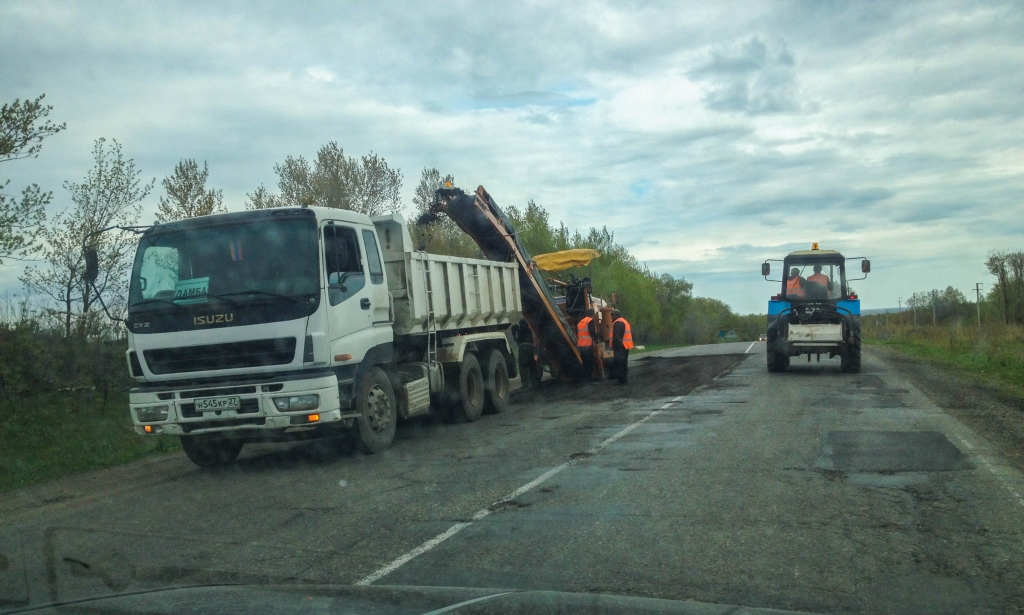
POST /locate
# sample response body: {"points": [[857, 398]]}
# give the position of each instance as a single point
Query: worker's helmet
{"points": [[590, 312], [616, 313]]}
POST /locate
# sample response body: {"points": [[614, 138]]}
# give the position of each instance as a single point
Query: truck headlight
{"points": [[151, 414], [297, 402]]}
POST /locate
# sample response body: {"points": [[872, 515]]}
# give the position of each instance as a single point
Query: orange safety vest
{"points": [[583, 339], [793, 288], [819, 278], [627, 335]]}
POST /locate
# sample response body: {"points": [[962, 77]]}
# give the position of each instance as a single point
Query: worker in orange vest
{"points": [[622, 341], [586, 333], [795, 284], [820, 278]]}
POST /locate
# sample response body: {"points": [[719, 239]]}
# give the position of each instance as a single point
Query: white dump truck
{"points": [[294, 323]]}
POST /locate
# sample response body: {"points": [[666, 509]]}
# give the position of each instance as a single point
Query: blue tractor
{"points": [[815, 312]]}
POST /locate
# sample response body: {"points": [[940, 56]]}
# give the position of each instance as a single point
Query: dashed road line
{"points": [[749, 347], [992, 469], [405, 558]]}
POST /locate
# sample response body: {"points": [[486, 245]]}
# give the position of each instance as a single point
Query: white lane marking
{"points": [[992, 470], [749, 347], [423, 548], [628, 429], [966, 443], [520, 491], [454, 607], [458, 527]]}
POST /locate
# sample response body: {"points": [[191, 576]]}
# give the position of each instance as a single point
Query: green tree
{"points": [[23, 126], [111, 194], [187, 195], [1008, 291], [366, 185]]}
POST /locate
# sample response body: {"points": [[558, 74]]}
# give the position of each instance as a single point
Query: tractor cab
{"points": [[814, 275]]}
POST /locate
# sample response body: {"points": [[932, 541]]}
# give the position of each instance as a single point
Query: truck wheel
{"points": [[777, 362], [850, 360], [496, 385], [465, 396], [210, 452], [374, 430]]}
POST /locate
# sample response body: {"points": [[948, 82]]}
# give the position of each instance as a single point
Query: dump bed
{"points": [[465, 293]]}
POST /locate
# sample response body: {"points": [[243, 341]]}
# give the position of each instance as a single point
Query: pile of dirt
{"points": [[649, 377], [998, 417]]}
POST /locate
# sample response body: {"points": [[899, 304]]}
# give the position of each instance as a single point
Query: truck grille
{"points": [[256, 353]]}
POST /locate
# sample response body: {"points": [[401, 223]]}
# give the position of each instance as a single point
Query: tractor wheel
{"points": [[851, 358], [777, 362]]}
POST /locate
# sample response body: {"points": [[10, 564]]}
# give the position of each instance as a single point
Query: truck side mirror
{"points": [[865, 266], [766, 269], [92, 265]]}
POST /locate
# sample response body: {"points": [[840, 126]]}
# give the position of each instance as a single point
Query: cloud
{"points": [[751, 78], [319, 73], [708, 136]]}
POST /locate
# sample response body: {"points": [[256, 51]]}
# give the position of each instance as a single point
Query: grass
{"points": [[49, 436], [995, 356]]}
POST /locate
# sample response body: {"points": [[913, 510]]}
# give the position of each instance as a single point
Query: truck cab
{"points": [[301, 322], [815, 312]]}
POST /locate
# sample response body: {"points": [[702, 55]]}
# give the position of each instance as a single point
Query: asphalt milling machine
{"points": [[551, 320]]}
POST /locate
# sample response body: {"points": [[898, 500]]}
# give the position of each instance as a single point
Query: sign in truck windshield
{"points": [[196, 290]]}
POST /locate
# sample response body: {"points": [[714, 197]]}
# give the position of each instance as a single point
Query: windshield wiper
{"points": [[156, 300], [264, 293]]}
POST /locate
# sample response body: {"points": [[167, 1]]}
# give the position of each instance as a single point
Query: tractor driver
{"points": [[795, 284], [820, 279]]}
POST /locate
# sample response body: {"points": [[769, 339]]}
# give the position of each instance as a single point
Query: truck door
{"points": [[378, 289], [350, 314]]}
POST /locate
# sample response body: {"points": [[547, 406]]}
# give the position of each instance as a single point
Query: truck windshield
{"points": [[814, 279], [238, 263]]}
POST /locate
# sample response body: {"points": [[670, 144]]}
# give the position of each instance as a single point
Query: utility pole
{"points": [[977, 293], [900, 300], [934, 319]]}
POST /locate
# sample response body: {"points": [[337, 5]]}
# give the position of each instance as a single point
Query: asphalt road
{"points": [[808, 490]]}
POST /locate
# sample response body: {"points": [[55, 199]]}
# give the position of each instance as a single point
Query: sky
{"points": [[708, 136]]}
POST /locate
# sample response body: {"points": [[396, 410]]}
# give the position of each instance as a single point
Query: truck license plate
{"points": [[218, 403]]}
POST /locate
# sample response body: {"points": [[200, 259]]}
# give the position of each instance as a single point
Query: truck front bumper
{"points": [[257, 414]]}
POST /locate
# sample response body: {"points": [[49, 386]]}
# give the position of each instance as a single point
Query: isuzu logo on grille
{"points": [[212, 319]]}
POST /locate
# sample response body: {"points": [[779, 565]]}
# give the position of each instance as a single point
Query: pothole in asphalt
{"points": [[893, 451], [508, 504]]}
